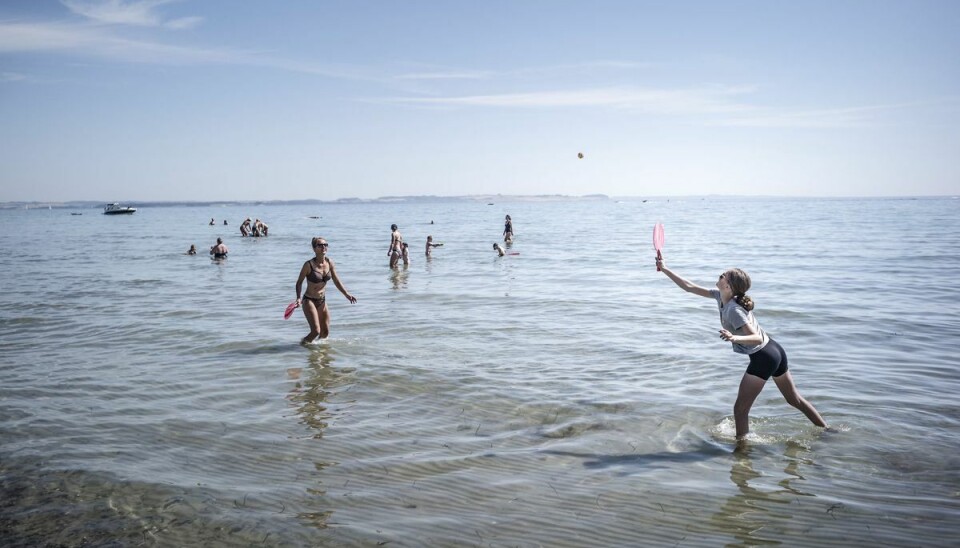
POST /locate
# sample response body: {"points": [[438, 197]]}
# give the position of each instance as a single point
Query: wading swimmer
{"points": [[740, 328], [430, 244], [396, 246], [508, 230], [318, 271], [219, 251]]}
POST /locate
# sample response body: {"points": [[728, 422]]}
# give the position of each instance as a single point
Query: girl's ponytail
{"points": [[740, 283]]}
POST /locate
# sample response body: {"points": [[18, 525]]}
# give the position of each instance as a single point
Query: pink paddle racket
{"points": [[289, 311], [658, 241]]}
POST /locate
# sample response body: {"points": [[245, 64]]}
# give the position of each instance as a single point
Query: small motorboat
{"points": [[117, 209]]}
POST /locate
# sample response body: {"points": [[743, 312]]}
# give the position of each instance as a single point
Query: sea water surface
{"points": [[569, 395]]}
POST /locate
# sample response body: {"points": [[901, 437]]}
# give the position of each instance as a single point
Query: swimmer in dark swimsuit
{"points": [[219, 251], [740, 327], [317, 272]]}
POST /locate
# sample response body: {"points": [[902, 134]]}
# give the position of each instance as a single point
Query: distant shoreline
{"points": [[478, 198]]}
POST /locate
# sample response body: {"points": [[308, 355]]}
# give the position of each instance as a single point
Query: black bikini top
{"points": [[314, 276]]}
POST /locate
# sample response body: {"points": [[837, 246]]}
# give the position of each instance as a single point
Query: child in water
{"points": [[430, 244]]}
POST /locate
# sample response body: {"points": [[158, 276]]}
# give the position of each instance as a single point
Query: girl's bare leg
{"points": [[750, 387], [789, 391]]}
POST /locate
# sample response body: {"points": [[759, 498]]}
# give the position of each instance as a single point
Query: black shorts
{"points": [[771, 360]]}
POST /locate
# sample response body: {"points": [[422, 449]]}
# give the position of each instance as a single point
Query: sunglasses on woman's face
{"points": [[721, 277], [321, 244]]}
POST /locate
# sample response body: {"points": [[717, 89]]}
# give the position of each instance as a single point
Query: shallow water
{"points": [[566, 396]]}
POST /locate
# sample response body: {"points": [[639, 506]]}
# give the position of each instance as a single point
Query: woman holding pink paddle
{"points": [[317, 272], [741, 329]]}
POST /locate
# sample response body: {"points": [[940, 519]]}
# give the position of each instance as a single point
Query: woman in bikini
{"points": [[396, 246], [318, 271]]}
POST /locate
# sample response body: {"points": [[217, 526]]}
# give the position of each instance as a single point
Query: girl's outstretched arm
{"points": [[683, 284]]}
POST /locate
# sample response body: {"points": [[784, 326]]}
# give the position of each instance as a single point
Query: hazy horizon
{"points": [[159, 100]]}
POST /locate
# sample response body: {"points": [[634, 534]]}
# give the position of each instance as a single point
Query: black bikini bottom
{"points": [[317, 301]]}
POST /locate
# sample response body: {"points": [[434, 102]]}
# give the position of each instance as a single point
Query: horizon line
{"points": [[464, 197]]}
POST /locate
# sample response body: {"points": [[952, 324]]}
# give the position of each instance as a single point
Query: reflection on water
{"points": [[312, 388], [399, 276], [748, 514]]}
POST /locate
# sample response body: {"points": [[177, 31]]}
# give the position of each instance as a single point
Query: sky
{"points": [[206, 100]]}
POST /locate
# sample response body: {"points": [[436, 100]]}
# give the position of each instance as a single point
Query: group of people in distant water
{"points": [[255, 228]]}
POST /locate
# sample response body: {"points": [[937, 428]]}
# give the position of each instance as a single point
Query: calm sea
{"points": [[569, 395]]}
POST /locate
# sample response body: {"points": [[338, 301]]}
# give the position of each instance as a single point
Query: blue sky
{"points": [[264, 100]]}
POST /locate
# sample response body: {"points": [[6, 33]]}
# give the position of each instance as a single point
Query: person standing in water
{"points": [[396, 246], [508, 230], [431, 245], [317, 272], [220, 250], [741, 329]]}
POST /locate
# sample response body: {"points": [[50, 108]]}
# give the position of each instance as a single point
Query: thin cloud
{"points": [[796, 118], [711, 105], [184, 23], [143, 13], [527, 72], [713, 99], [98, 41], [12, 77], [449, 75]]}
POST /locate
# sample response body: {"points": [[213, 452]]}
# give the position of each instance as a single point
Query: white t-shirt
{"points": [[734, 318]]}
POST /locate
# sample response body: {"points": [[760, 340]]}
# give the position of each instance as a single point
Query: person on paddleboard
{"points": [[317, 272], [741, 329]]}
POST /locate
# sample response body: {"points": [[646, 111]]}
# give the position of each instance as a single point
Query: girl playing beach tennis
{"points": [[740, 328]]}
